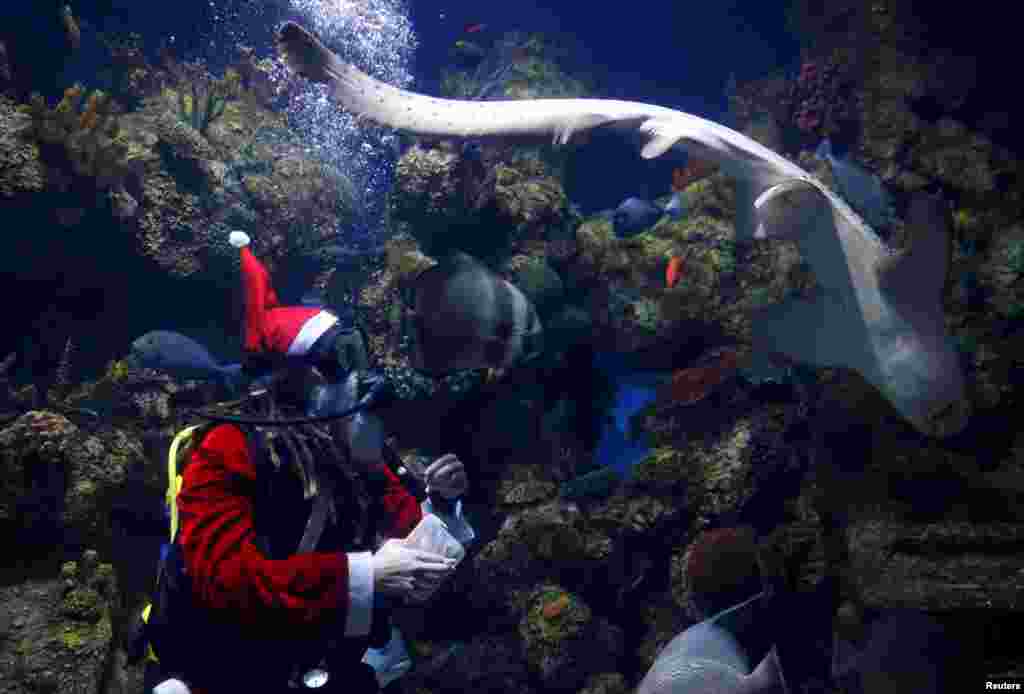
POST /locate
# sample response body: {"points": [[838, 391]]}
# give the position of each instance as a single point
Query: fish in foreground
{"points": [[708, 658], [182, 357], [879, 312], [467, 317]]}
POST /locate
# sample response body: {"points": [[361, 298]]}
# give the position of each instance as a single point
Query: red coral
{"points": [[821, 100], [695, 170], [693, 384]]}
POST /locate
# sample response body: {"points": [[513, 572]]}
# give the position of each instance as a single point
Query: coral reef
{"points": [[442, 198], [59, 630], [22, 171], [594, 484], [61, 475], [83, 130], [563, 640], [201, 97], [518, 66]]}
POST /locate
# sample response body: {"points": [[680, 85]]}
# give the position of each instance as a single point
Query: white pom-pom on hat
{"points": [[238, 239]]}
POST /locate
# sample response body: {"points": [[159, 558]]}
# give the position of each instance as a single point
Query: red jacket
{"points": [[271, 328], [301, 594]]}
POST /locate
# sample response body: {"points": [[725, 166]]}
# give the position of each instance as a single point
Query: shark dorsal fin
{"points": [[917, 275]]}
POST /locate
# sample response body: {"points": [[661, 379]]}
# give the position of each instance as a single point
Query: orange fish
{"points": [[673, 271]]}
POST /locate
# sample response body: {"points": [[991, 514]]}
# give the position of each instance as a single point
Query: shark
{"points": [[877, 311]]}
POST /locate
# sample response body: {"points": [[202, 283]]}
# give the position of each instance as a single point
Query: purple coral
{"points": [[821, 100]]}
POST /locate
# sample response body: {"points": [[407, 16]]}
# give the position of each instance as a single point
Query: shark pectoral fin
{"points": [[577, 124], [822, 331], [787, 210], [916, 277]]}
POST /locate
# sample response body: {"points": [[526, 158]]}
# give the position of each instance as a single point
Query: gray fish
{"points": [[467, 317], [708, 659], [635, 216], [182, 357]]}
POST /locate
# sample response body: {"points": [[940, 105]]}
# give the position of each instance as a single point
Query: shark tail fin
{"points": [[863, 190], [916, 277], [821, 331]]}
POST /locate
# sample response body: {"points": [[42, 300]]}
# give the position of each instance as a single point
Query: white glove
{"points": [[399, 570], [447, 477], [426, 587], [239, 239]]}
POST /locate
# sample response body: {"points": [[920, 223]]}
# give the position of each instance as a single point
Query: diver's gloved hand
{"points": [[399, 570], [446, 476], [426, 587], [239, 239]]}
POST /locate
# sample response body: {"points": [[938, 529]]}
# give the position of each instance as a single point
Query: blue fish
{"points": [[182, 357], [859, 187], [635, 216]]}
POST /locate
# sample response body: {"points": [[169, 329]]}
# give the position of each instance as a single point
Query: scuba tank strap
{"points": [[184, 442], [259, 448]]}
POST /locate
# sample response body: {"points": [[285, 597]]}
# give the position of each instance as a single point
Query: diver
{"points": [[288, 556]]}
